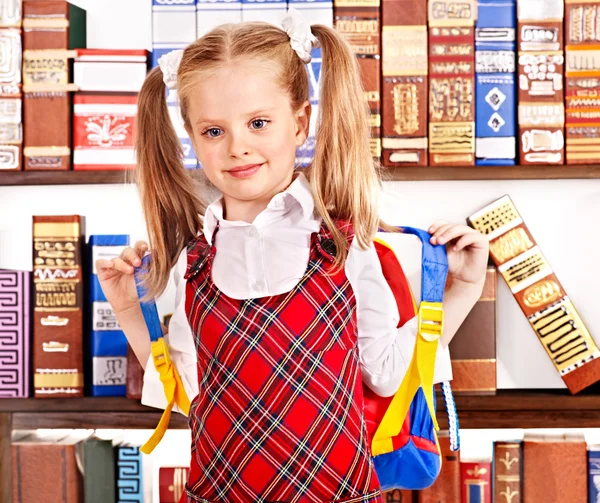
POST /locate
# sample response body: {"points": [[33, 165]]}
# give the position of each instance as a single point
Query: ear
{"points": [[302, 123]]}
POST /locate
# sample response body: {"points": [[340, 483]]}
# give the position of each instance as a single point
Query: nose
{"points": [[239, 145]]}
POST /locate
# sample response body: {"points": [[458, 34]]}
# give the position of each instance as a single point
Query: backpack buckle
{"points": [[160, 356], [431, 320]]}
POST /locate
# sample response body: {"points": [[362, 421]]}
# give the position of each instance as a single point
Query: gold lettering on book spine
{"points": [[541, 294], [511, 244], [406, 109]]}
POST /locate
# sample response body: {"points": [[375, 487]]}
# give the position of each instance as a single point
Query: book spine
{"points": [[171, 483], [582, 113], [212, 13], [476, 482], [452, 82], [58, 303], [130, 483], [541, 90], [594, 475], [405, 83], [447, 487], [14, 333], [268, 11], [508, 480]]}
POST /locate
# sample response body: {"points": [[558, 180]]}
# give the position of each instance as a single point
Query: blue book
{"points": [[495, 83], [130, 482], [594, 474], [107, 344]]}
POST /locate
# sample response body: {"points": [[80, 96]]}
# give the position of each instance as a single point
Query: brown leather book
{"points": [[359, 22], [554, 468], [135, 376], [582, 82], [508, 467], [58, 303], [541, 89], [398, 496], [476, 481], [452, 82], [404, 86], [11, 100], [540, 295], [51, 28], [446, 489], [473, 348], [45, 468]]}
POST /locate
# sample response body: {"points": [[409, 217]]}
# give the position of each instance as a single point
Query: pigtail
{"points": [[172, 209], [343, 177]]}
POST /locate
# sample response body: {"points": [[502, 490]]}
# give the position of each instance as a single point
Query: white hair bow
{"points": [[301, 38], [169, 64]]}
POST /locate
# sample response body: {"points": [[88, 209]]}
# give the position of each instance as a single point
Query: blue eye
{"points": [[259, 123], [212, 132]]}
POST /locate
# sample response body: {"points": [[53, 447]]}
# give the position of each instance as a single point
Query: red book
{"points": [[476, 480], [171, 483]]}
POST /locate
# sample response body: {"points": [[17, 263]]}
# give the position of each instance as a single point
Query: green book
{"points": [[98, 471]]}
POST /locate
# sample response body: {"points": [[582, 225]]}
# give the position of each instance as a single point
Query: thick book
{"points": [[99, 471], [554, 468], [447, 487], [452, 82], [496, 83], [404, 83], [541, 88], [508, 472], [58, 306], [582, 82], [15, 322], [51, 30], [476, 481], [532, 281], [593, 473], [473, 348], [46, 468], [107, 352], [172, 482]]}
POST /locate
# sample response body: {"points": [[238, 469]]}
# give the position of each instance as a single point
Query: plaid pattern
{"points": [[279, 416]]}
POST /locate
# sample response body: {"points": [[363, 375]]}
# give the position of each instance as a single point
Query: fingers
{"points": [[122, 266], [470, 239], [140, 248], [134, 255]]}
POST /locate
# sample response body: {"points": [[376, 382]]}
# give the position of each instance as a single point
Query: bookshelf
{"points": [[16, 178]]}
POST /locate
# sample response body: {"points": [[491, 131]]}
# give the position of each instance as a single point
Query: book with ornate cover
{"points": [[508, 468], [452, 82], [107, 352], [582, 81], [540, 295], [11, 100], [554, 468], [171, 482], [98, 471], [495, 67], [359, 21], [51, 29], [57, 306], [45, 468], [14, 333], [541, 90], [447, 487], [473, 348], [212, 13], [593, 473], [129, 475], [173, 26], [476, 481], [404, 87]]}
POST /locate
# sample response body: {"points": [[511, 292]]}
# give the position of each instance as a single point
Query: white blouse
{"points": [[269, 257]]}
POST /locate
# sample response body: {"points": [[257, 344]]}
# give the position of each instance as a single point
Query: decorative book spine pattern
{"points": [[476, 480], [508, 485], [130, 483]]}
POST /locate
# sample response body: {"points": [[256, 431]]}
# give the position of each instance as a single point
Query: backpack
{"points": [[401, 429]]}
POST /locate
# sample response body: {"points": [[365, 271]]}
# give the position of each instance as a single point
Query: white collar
{"points": [[298, 192]]}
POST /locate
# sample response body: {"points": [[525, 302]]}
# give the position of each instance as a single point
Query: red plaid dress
{"points": [[279, 414]]}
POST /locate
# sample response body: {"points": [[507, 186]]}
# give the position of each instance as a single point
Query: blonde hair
{"points": [[342, 175]]}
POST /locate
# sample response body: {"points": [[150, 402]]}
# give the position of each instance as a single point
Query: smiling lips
{"points": [[244, 171]]}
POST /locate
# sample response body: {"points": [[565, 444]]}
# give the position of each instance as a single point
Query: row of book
{"points": [[59, 467], [448, 82], [56, 321]]}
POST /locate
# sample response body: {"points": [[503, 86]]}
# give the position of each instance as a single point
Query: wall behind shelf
{"points": [[563, 216]]}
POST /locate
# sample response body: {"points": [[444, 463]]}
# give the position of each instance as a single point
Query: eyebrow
{"points": [[254, 113]]}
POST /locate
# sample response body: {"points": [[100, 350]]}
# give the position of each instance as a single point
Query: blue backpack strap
{"points": [[149, 309]]}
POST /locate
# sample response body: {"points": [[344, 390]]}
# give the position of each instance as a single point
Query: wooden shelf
{"points": [[395, 174], [507, 409]]}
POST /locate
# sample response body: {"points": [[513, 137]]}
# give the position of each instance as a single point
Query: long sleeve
{"points": [[181, 348], [385, 350]]}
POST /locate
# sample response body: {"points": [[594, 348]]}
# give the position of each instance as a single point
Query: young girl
{"points": [[282, 308]]}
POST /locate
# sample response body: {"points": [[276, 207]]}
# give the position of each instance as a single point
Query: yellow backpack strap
{"points": [[174, 392]]}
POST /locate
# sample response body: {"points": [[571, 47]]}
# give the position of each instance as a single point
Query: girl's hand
{"points": [[116, 277], [468, 251]]}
